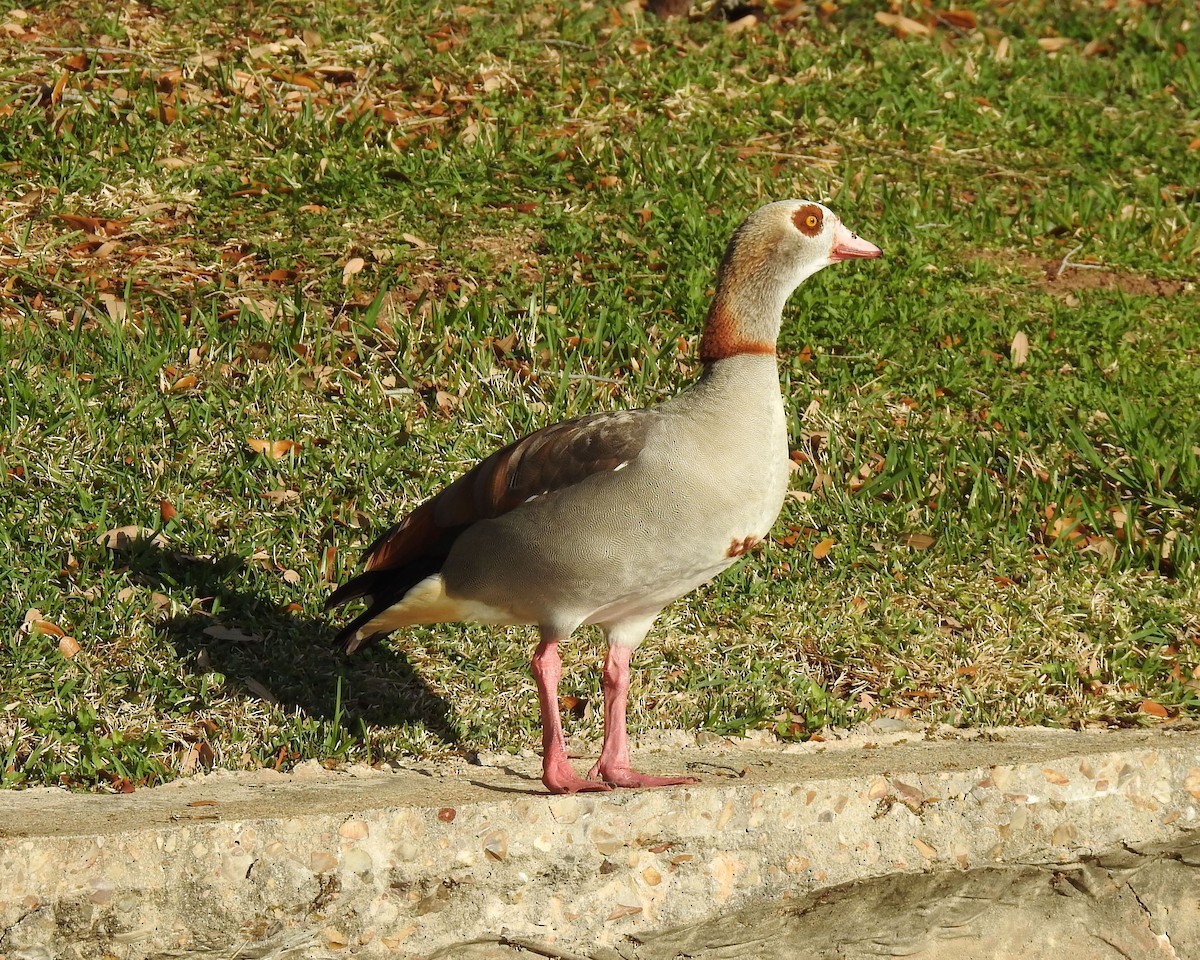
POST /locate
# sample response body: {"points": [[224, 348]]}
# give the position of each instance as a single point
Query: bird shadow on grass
{"points": [[277, 654]]}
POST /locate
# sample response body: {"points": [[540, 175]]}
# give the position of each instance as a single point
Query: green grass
{"points": [[538, 196]]}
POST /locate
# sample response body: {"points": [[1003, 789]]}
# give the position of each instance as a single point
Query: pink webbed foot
{"points": [[625, 776], [559, 777]]}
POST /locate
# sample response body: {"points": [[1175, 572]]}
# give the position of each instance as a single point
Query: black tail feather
{"points": [[382, 589], [364, 585]]}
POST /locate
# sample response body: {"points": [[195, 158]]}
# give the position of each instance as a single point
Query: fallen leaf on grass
{"points": [[905, 26], [821, 550], [166, 510], [298, 80], [68, 647], [97, 226], [353, 265], [57, 92], [218, 631], [748, 22], [918, 541], [123, 538], [45, 627], [274, 449], [186, 382], [962, 19], [259, 690], [1154, 708], [1053, 44], [416, 241], [200, 755], [1018, 351], [115, 306]]}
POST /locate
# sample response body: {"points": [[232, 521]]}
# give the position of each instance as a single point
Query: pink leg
{"points": [[557, 774], [613, 765]]}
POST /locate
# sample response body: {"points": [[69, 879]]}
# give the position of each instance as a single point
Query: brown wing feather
{"points": [[550, 459]]}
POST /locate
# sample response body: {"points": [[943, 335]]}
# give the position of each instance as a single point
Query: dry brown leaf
{"points": [[57, 92], [1195, 144], [259, 690], [1154, 709], [962, 19], [416, 241], [200, 755], [353, 265], [918, 541], [115, 306], [748, 22], [1101, 546], [68, 647], [218, 631], [1067, 527], [1018, 351], [821, 550], [123, 538], [1053, 44], [166, 510], [46, 627], [282, 496], [92, 225], [905, 26], [186, 382], [274, 449], [298, 80]]}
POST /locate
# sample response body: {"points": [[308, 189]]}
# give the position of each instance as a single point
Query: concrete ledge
{"points": [[416, 860]]}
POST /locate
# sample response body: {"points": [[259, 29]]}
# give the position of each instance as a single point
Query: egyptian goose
{"points": [[607, 518]]}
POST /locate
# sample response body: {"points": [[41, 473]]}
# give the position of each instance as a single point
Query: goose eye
{"points": [[808, 220]]}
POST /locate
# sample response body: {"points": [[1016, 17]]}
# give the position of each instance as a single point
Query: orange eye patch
{"points": [[808, 220]]}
